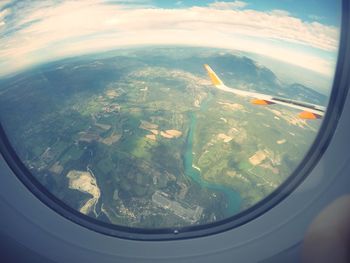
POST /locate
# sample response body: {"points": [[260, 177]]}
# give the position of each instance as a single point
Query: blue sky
{"points": [[325, 11], [301, 33]]}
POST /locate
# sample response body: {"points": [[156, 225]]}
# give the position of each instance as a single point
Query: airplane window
{"points": [[153, 115]]}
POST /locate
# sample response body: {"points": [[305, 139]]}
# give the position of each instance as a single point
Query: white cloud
{"points": [[279, 12], [78, 27], [228, 5], [315, 17], [3, 14], [4, 3]]}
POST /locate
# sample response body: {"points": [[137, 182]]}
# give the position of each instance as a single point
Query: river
{"points": [[233, 198]]}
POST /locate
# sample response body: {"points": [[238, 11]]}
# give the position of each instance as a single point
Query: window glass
{"points": [[157, 114]]}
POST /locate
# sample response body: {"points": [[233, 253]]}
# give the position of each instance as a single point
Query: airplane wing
{"points": [[308, 110]]}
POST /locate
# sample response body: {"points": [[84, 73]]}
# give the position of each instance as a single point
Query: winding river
{"points": [[233, 198]]}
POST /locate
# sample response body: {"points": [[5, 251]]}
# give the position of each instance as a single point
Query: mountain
{"points": [[303, 93], [234, 69]]}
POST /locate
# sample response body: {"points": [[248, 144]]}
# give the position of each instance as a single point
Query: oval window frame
{"points": [[319, 146]]}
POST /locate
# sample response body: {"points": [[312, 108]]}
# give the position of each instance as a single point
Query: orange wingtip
{"points": [[306, 115], [261, 102]]}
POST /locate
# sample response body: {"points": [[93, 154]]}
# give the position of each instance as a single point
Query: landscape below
{"points": [[141, 138]]}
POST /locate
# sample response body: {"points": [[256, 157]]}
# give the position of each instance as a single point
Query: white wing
{"points": [[309, 110]]}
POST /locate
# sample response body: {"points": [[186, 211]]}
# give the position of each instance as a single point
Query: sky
{"points": [[310, 10], [297, 32]]}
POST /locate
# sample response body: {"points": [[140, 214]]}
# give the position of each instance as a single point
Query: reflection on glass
{"points": [[109, 106]]}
